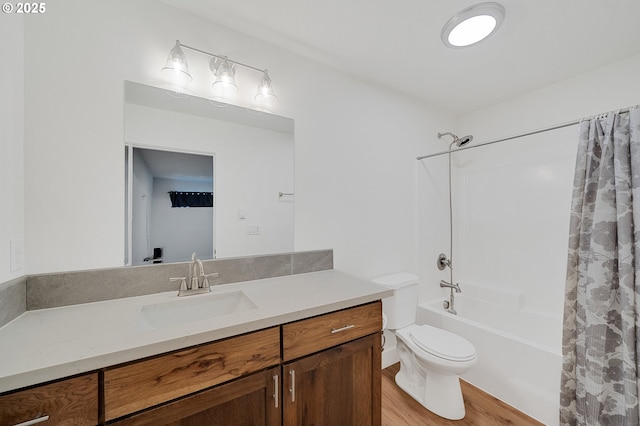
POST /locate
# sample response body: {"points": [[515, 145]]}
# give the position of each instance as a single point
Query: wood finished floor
{"points": [[399, 409]]}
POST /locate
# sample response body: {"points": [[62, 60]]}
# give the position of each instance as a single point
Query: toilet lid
{"points": [[442, 343]]}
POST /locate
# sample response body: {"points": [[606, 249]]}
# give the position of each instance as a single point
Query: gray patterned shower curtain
{"points": [[601, 335]]}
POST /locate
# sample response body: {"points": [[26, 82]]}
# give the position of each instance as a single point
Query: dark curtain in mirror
{"points": [[191, 199]]}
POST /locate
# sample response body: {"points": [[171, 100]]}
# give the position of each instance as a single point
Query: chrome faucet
{"points": [[449, 304], [455, 286], [198, 281]]}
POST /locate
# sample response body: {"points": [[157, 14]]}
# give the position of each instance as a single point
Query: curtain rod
{"points": [[533, 132]]}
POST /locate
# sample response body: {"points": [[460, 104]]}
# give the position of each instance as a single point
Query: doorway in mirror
{"points": [[159, 226]]}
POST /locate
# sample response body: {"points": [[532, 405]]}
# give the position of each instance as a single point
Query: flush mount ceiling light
{"points": [[472, 25], [224, 71]]}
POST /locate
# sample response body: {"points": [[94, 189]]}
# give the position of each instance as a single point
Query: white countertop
{"points": [[53, 343]]}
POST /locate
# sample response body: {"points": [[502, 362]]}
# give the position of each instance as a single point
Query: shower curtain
{"points": [[601, 335]]}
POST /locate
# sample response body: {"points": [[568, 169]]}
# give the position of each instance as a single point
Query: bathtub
{"points": [[519, 351]]}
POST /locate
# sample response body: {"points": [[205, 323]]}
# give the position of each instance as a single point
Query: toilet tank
{"points": [[400, 308]]}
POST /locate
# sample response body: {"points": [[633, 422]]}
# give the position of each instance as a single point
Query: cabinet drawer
{"points": [[68, 402], [314, 334], [143, 384]]}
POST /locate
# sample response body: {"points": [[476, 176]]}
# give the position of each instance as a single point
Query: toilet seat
{"points": [[442, 343]]}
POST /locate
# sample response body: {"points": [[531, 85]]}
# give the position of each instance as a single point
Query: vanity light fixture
{"points": [[224, 70], [177, 66], [472, 25]]}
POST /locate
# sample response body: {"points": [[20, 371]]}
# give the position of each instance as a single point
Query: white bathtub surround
{"points": [[506, 310], [517, 367], [510, 216], [600, 382]]}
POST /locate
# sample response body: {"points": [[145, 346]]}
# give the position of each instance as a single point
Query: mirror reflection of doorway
{"points": [[162, 231]]}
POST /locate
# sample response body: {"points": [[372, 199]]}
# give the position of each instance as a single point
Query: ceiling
{"points": [[178, 165], [396, 43]]}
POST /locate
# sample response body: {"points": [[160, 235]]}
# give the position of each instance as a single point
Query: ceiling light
{"points": [[224, 70], [472, 25]]}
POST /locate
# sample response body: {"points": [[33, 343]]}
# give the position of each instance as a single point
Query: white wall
{"points": [[179, 231], [11, 141], [355, 143], [512, 200]]}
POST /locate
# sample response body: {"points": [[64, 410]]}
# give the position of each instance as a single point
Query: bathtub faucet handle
{"points": [[443, 262]]}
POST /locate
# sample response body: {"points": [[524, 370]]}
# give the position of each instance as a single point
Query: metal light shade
{"points": [[176, 66], [266, 95], [225, 72]]}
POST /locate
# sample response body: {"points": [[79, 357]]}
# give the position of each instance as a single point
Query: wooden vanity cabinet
{"points": [[338, 385], [323, 370], [71, 402]]}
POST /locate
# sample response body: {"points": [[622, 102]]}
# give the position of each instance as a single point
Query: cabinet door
{"points": [[339, 386], [253, 400], [66, 402]]}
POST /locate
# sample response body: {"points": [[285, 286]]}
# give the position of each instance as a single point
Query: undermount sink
{"points": [[192, 308]]}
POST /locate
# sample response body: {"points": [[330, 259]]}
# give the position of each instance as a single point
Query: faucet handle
{"points": [[205, 280], [183, 282]]}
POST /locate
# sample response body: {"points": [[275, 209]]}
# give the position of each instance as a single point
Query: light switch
{"points": [[242, 214]]}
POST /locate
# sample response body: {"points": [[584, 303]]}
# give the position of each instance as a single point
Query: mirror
{"points": [[242, 158]]}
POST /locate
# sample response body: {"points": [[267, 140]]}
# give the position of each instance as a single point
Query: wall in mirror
{"points": [[251, 157]]}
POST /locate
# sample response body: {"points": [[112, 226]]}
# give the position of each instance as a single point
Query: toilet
{"points": [[431, 359]]}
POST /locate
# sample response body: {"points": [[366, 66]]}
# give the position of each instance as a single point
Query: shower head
{"points": [[458, 141]]}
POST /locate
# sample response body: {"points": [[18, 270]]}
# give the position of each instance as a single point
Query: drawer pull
{"points": [[34, 421], [292, 389], [345, 328], [275, 389]]}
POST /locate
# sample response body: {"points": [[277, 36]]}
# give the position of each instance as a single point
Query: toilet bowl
{"points": [[431, 359]]}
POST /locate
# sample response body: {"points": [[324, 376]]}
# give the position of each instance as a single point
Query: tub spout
{"points": [[455, 286]]}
